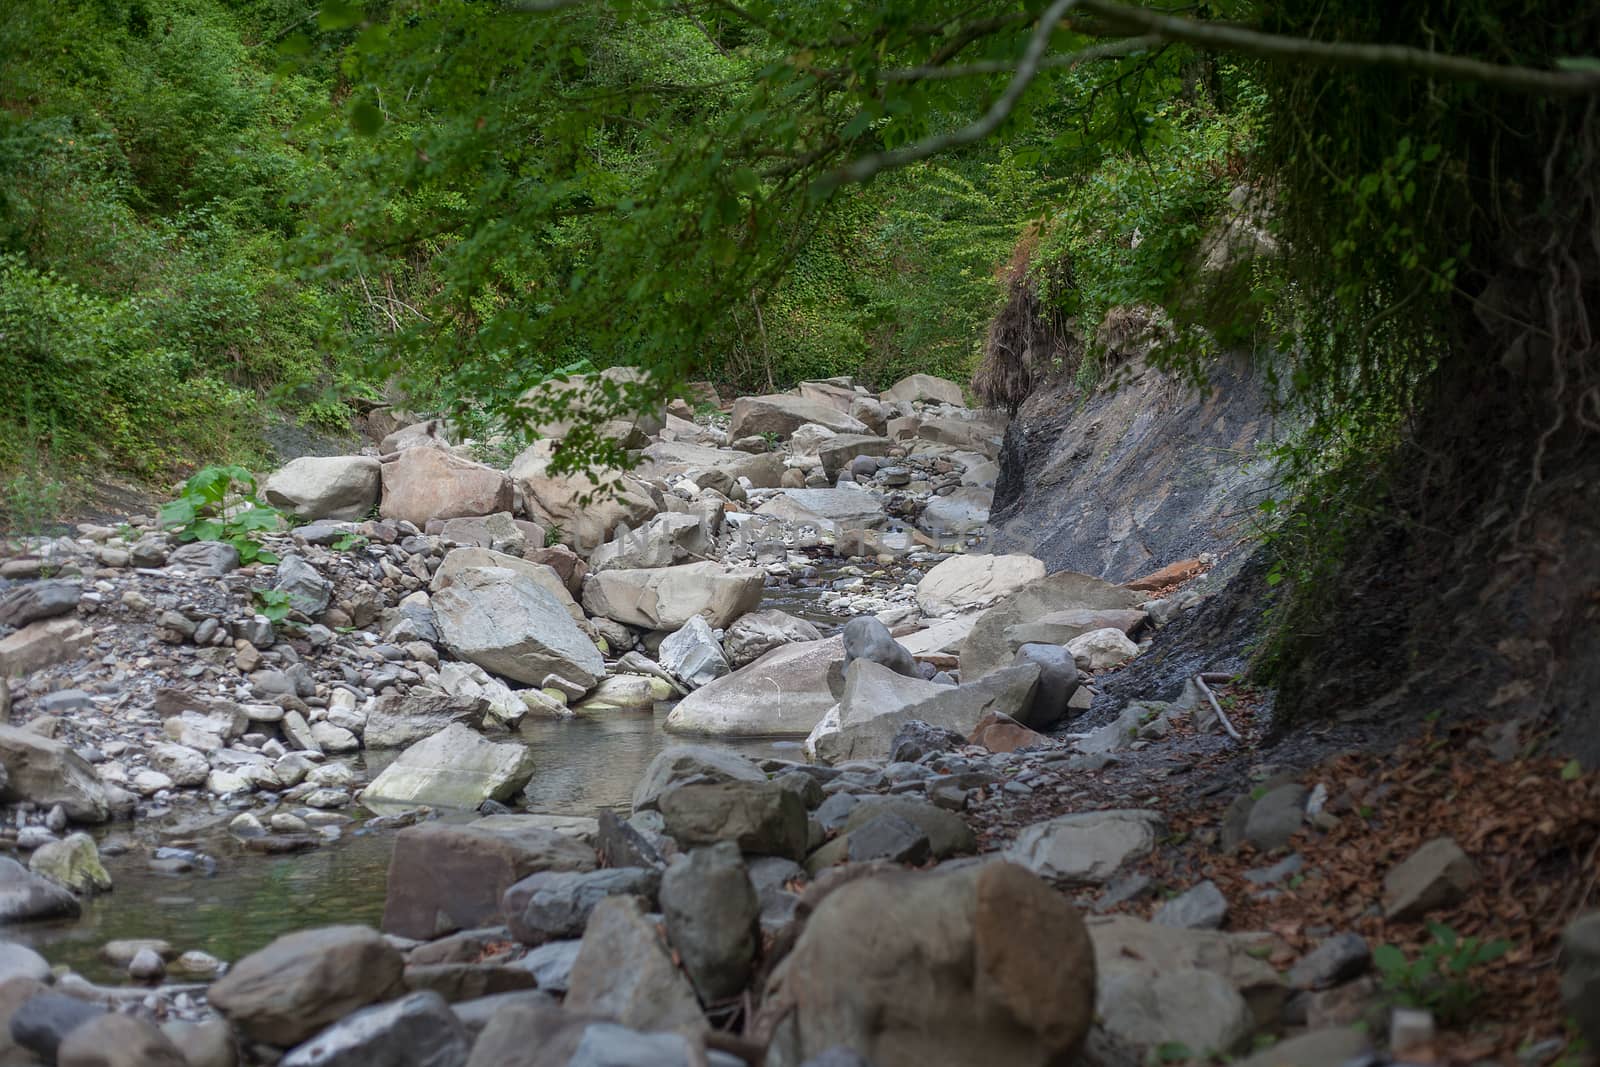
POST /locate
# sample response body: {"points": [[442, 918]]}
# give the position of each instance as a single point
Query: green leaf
{"points": [[1572, 771], [206, 530], [1173, 1052], [1389, 959], [338, 15], [365, 118], [178, 513]]}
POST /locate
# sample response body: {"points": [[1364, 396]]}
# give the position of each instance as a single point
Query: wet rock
{"points": [[74, 863], [693, 654], [1435, 876], [510, 625], [1202, 907], [1199, 1010], [1088, 847], [418, 1030], [685, 764], [303, 981], [44, 1020], [556, 905], [1580, 974], [756, 633], [455, 768], [25, 897], [665, 598], [427, 483], [624, 971], [147, 966], [760, 817], [711, 911], [985, 994], [971, 581], [33, 601], [325, 487], [444, 877]]}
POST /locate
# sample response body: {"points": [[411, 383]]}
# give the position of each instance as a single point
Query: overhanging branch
{"points": [[1237, 39]]}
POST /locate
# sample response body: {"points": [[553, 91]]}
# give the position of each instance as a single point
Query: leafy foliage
{"points": [[220, 504], [1439, 978], [274, 605]]}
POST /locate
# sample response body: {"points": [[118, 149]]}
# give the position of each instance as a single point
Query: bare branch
{"points": [[1027, 67], [1108, 50], [1229, 38]]}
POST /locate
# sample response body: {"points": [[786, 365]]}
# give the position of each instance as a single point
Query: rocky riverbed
{"points": [[757, 757]]}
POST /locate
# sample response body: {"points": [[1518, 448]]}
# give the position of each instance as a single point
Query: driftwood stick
{"points": [[1200, 680]]}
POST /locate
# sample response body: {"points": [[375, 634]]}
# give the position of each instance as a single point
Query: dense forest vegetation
{"points": [[218, 213]]}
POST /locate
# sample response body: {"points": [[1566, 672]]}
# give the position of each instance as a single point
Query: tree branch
{"points": [[1027, 68], [1273, 46], [1108, 50]]}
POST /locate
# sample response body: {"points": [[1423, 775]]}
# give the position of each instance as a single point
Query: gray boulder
{"points": [[45, 1020], [693, 654], [624, 971], [1580, 974], [326, 487], [308, 591], [1435, 876], [666, 539], [1087, 847], [210, 559], [782, 414], [760, 817], [785, 693], [455, 768], [511, 626], [25, 896], [711, 911], [399, 719], [1200, 1010], [988, 647], [116, 1040], [686, 764], [756, 633], [47, 772], [556, 905], [38, 600], [1201, 908], [664, 598], [418, 1030], [1058, 681], [865, 637]]}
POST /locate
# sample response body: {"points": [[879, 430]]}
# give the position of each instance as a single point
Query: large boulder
{"points": [[877, 703], [837, 452], [47, 772], [669, 538], [784, 693], [959, 513], [682, 764], [711, 911], [1086, 847], [753, 635], [1198, 1010], [510, 625], [927, 388], [624, 971], [33, 601], [670, 459], [582, 508], [988, 647], [418, 1030], [25, 896], [762, 818], [421, 484], [837, 509], [937, 969], [46, 642], [963, 582], [694, 654], [782, 414], [74, 862], [556, 905], [562, 404], [303, 981], [326, 487], [664, 598], [444, 878], [979, 435], [455, 768], [1133, 951], [541, 574]]}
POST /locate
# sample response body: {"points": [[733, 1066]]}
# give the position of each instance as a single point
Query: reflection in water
{"points": [[582, 766]]}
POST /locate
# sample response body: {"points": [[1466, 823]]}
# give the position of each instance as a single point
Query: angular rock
{"points": [[48, 773], [400, 719], [781, 414], [308, 591], [948, 834], [1058, 681], [784, 693], [685, 764], [711, 910], [444, 878], [1142, 951], [999, 732], [1338, 959], [303, 981], [624, 971], [1199, 1010], [421, 484], [1332, 1047], [43, 644], [116, 1040], [45, 1020], [665, 540], [1276, 817], [760, 817], [868, 720], [967, 942], [1060, 627], [455, 768], [987, 647], [917, 739], [556, 905], [1088, 847], [665, 598], [887, 836], [1435, 876], [326, 487], [1202, 907], [756, 633], [211, 559], [509, 625], [958, 513], [827, 509], [963, 582], [45, 599], [693, 654], [581, 509], [541, 574], [418, 1030], [926, 388], [1100, 649]]}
